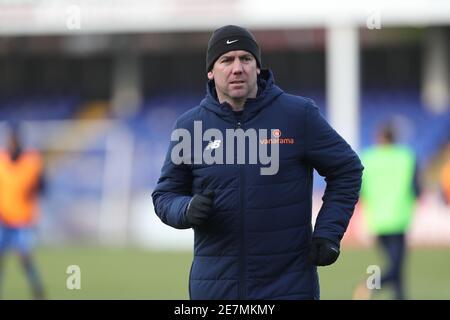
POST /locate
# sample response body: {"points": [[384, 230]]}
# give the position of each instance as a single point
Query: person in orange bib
{"points": [[21, 180]]}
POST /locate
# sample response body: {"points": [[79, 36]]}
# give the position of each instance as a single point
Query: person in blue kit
{"points": [[253, 235]]}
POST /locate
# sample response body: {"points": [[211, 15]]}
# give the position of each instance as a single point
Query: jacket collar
{"points": [[267, 92]]}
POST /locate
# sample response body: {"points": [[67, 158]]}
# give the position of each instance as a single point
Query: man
{"points": [[389, 190], [20, 181], [252, 224]]}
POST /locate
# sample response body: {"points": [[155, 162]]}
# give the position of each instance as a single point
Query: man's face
{"points": [[235, 75]]}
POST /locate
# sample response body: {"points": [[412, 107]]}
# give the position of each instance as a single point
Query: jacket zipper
{"points": [[242, 260]]}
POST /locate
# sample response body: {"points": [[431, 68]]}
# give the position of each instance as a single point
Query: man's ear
{"points": [[258, 71], [210, 75]]}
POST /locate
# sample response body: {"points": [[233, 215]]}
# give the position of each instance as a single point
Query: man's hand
{"points": [[199, 208], [323, 252]]}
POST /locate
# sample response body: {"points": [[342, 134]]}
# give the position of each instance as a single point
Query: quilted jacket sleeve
{"points": [[333, 159], [173, 191]]}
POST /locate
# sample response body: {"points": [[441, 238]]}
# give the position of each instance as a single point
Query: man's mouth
{"points": [[237, 82]]}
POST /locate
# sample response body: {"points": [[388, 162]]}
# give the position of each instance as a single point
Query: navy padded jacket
{"points": [[256, 242]]}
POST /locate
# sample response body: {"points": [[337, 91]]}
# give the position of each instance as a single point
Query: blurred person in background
{"points": [[253, 232], [21, 179], [389, 191], [445, 175]]}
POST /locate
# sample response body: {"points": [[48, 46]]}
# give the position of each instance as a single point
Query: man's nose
{"points": [[237, 66]]}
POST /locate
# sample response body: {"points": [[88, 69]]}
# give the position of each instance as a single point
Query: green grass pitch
{"points": [[139, 274]]}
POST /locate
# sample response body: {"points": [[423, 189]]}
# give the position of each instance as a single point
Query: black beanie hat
{"points": [[230, 38]]}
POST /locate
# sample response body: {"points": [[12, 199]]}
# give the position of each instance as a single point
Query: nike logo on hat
{"points": [[232, 41]]}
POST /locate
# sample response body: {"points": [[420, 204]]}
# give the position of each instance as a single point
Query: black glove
{"points": [[199, 208], [323, 252]]}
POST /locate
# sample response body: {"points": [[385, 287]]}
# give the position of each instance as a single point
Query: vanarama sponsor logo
{"points": [[276, 133], [277, 141]]}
